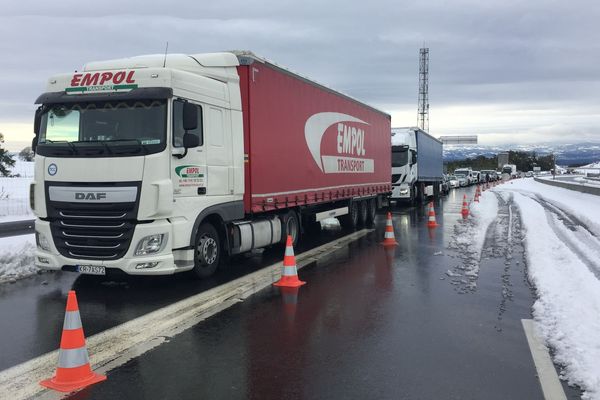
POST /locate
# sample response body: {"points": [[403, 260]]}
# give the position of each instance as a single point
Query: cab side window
{"points": [[178, 124]]}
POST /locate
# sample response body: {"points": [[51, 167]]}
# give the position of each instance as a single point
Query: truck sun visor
{"points": [[154, 93]]}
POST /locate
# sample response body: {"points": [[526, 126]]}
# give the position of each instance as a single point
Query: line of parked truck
{"points": [[157, 165]]}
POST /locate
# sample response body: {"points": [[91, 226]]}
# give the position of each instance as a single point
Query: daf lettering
{"points": [[90, 196]]}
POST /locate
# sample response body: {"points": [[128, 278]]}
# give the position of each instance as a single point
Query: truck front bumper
{"points": [[163, 261], [400, 192]]}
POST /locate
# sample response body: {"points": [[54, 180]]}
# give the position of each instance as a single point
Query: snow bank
{"points": [[16, 258], [568, 306], [468, 239], [483, 213]]}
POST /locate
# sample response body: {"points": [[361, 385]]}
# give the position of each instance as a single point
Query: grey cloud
{"points": [[517, 54]]}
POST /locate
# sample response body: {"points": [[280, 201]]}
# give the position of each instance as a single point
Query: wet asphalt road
{"points": [[33, 309], [371, 323]]}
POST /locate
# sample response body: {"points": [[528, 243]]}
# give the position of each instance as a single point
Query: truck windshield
{"points": [[100, 129], [507, 170], [461, 173], [399, 156]]}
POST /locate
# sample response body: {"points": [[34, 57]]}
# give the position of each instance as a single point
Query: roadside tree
{"points": [[26, 154], [6, 159]]}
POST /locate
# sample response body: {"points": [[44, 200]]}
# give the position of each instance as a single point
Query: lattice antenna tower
{"points": [[423, 112]]}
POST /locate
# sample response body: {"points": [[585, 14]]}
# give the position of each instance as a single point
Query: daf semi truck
{"points": [[164, 164], [417, 165]]}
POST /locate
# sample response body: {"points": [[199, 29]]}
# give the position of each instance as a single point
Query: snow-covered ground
{"points": [[562, 244], [14, 193], [16, 258], [593, 168]]}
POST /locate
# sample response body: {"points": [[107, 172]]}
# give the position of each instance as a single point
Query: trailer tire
{"points": [[371, 211], [350, 220], [291, 226], [362, 212], [207, 251]]}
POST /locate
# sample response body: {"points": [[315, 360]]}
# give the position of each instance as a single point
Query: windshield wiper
{"points": [[71, 145], [137, 141], [108, 149]]}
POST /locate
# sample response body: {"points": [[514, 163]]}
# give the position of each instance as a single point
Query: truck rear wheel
{"points": [[207, 251], [350, 220], [362, 213], [371, 211]]}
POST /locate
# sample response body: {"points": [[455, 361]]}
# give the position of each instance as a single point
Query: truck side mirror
{"points": [[34, 143], [190, 140], [37, 121], [190, 117]]}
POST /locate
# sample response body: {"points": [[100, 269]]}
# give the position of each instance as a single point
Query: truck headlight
{"points": [[403, 191], [42, 242], [151, 244]]}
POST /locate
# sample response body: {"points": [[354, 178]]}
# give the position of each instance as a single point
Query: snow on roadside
{"points": [[568, 306], [584, 206], [16, 258], [14, 193], [468, 239]]}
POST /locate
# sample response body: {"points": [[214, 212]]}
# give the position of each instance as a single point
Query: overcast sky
{"points": [[508, 71]]}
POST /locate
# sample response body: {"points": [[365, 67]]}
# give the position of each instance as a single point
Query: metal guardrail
{"points": [[571, 186], [16, 228]]}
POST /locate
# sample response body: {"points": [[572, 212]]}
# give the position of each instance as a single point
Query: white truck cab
{"points": [[112, 188]]}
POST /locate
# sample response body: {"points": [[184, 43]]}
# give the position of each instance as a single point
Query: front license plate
{"points": [[91, 269]]}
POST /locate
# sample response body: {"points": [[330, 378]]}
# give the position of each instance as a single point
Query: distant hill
{"points": [[566, 154]]}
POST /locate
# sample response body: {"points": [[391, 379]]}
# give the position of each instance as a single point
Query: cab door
{"points": [[218, 150], [188, 173]]}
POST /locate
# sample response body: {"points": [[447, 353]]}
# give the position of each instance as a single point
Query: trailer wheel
{"points": [[291, 226], [350, 220], [371, 211], [207, 251], [362, 213]]}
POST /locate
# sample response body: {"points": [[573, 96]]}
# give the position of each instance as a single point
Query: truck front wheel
{"points": [[207, 251]]}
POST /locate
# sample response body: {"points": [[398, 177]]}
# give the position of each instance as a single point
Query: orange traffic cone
{"points": [[289, 277], [431, 222], [476, 197], [465, 207], [73, 371], [388, 238]]}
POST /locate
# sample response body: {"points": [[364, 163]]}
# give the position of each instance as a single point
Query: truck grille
{"points": [[92, 231]]}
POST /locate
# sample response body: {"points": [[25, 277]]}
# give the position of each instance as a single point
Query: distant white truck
{"points": [[510, 170], [417, 166]]}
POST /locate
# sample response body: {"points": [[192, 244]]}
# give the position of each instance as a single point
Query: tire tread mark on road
{"points": [[499, 244]]}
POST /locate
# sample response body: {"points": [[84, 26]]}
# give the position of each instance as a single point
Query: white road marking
{"points": [[115, 346], [551, 386]]}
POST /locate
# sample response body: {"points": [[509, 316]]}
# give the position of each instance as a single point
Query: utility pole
{"points": [[423, 112]]}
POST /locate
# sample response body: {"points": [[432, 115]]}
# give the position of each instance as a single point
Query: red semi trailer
{"points": [[202, 154], [307, 144]]}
